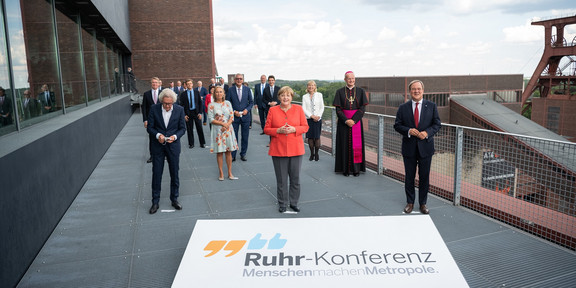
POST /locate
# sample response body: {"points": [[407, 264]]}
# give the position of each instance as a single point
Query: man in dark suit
{"points": [[47, 99], [241, 99], [150, 98], [203, 93], [166, 125], [417, 121], [5, 108], [270, 97], [259, 101], [190, 100], [178, 88], [30, 105], [224, 86]]}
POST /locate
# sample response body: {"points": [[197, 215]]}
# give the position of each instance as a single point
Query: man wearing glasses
{"points": [[240, 97], [166, 125]]}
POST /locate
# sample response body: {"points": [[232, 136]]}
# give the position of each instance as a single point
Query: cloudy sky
{"points": [[321, 39]]}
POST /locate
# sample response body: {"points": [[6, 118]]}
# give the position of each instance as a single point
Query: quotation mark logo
{"points": [[234, 246]]}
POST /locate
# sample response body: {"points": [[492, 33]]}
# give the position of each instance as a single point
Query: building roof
{"points": [[506, 120]]}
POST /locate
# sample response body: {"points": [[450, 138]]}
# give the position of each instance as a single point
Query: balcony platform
{"points": [[108, 239]]}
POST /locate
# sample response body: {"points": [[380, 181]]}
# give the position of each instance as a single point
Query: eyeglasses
{"points": [[238, 78], [168, 104]]}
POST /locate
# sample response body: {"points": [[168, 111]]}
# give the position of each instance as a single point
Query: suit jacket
{"points": [[259, 97], [176, 126], [203, 92], [246, 103], [32, 109], [429, 121], [184, 102], [178, 90], [51, 101], [6, 110], [147, 102], [286, 145], [269, 97], [225, 87]]}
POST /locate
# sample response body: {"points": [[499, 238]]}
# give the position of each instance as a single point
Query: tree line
{"points": [[327, 88]]}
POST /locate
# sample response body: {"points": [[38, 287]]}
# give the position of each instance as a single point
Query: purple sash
{"points": [[356, 137]]}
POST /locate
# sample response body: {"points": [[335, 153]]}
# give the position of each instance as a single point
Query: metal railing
{"points": [[526, 182]]}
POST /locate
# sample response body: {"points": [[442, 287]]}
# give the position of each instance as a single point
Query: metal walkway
{"points": [[108, 239]]}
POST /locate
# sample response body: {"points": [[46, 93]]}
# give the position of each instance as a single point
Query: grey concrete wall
{"points": [[117, 14], [42, 174]]}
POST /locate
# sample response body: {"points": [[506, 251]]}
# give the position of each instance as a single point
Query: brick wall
{"points": [[176, 44]]}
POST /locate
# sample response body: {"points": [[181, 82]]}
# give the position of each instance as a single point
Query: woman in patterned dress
{"points": [[221, 116]]}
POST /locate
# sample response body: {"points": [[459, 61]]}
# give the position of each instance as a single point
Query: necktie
{"points": [[416, 115], [272, 90], [191, 99], [239, 94], [261, 89], [155, 96], [47, 98]]}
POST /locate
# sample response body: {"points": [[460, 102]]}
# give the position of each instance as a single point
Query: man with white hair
{"points": [[166, 125]]}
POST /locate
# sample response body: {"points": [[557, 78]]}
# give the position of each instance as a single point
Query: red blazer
{"points": [[286, 145]]}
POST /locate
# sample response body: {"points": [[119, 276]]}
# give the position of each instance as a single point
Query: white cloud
{"points": [[311, 33], [386, 34], [523, 33], [478, 48]]}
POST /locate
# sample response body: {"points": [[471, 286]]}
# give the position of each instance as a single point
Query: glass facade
{"points": [[51, 64]]}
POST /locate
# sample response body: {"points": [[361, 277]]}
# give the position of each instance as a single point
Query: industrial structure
{"points": [[555, 80]]}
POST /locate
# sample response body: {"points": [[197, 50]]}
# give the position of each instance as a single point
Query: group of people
{"points": [[32, 105], [228, 113]]}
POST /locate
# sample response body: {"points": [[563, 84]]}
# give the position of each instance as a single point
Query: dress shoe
{"points": [[346, 174], [190, 146], [176, 205], [221, 178], [232, 177], [204, 124], [424, 209], [311, 157], [243, 158], [233, 159], [316, 157], [282, 209], [149, 160], [408, 209], [356, 174], [202, 146], [294, 208], [154, 208], [262, 133]]}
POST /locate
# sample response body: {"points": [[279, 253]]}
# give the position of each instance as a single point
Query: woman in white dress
{"points": [[221, 116]]}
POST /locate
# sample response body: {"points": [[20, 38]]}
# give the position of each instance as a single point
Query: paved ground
{"points": [[108, 239]]}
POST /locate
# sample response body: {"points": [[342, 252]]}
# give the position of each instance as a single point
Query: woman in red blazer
{"points": [[285, 124]]}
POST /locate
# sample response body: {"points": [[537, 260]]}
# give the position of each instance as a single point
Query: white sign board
{"points": [[385, 251]]}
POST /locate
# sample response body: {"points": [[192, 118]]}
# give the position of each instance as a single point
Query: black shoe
{"points": [[190, 146], [311, 157], [316, 157], [202, 146], [295, 208], [282, 209], [356, 174], [154, 208], [243, 158], [176, 205], [346, 174], [262, 133], [149, 160]]}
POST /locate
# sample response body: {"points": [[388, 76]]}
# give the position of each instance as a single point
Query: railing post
{"points": [[459, 143], [380, 144], [334, 124]]}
